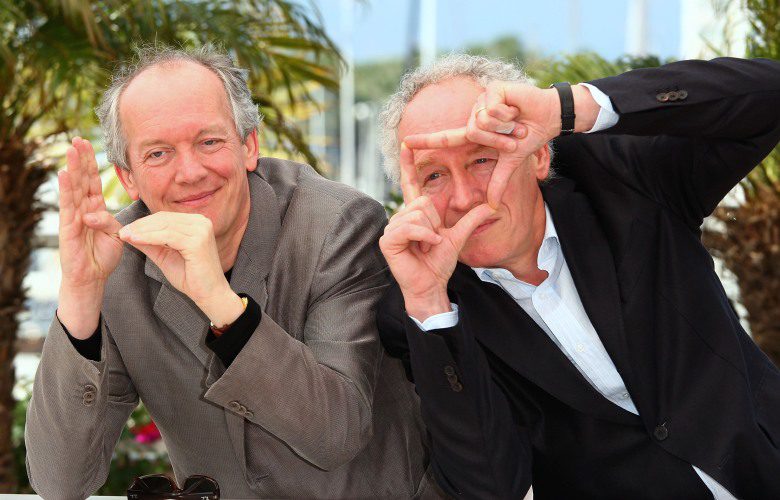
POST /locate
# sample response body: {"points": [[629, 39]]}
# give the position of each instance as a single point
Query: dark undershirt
{"points": [[226, 346]]}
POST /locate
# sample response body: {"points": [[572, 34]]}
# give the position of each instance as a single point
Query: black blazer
{"points": [[505, 407]]}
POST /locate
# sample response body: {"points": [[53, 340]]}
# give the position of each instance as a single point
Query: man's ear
{"points": [[126, 178], [542, 163], [251, 151]]}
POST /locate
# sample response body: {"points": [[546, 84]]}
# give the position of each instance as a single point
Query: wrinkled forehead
{"points": [[440, 106]]}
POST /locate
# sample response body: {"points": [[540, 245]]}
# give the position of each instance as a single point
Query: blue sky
{"points": [[544, 26]]}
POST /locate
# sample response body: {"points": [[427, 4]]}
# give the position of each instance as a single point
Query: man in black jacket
{"points": [[569, 330]]}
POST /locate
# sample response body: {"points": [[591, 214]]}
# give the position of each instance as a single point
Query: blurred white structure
{"points": [[637, 28], [709, 28]]}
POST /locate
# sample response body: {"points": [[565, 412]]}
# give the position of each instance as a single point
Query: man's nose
{"points": [[467, 193], [189, 168]]}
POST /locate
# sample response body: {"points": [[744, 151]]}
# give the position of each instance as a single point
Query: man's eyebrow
{"points": [[479, 148], [215, 129], [424, 163], [203, 132]]}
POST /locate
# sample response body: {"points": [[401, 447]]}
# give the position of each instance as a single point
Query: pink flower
{"points": [[146, 433]]}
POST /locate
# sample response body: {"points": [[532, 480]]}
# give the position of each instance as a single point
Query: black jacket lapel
{"points": [[592, 265], [503, 328]]}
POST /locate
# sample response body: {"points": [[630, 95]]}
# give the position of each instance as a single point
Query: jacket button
{"points": [[90, 388], [456, 386], [235, 406], [682, 94], [248, 414], [448, 370], [661, 432], [662, 97]]}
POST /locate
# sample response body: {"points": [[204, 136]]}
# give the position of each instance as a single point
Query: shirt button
{"points": [[579, 348], [661, 432], [624, 395]]}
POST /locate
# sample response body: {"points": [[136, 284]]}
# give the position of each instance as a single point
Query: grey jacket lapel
{"points": [[180, 314], [258, 246]]}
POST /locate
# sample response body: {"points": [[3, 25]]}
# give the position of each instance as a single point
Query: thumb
{"points": [[461, 231], [102, 221]]}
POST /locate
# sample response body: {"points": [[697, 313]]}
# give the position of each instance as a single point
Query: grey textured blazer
{"points": [[310, 408]]}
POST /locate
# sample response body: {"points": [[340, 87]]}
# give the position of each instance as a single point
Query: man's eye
{"points": [[433, 176], [211, 143], [483, 161], [155, 156]]}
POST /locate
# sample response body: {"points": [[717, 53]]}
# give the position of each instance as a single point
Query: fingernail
{"points": [[506, 128]]}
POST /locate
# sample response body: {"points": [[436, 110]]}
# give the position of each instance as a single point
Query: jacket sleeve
{"points": [[329, 377], [478, 449], [88, 403], [688, 131]]}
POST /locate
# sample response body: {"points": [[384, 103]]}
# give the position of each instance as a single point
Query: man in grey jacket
{"points": [[235, 297]]}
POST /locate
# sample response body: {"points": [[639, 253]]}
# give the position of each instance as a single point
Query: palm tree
{"points": [[57, 55], [748, 240]]}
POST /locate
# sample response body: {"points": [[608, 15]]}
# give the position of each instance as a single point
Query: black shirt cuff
{"points": [[229, 344], [89, 347]]}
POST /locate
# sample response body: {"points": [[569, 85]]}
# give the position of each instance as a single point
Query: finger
{"points": [[437, 140], [461, 231], [103, 221], [159, 238], [74, 175], [520, 131], [501, 111], [494, 140], [500, 179], [183, 223], [411, 233], [415, 218], [496, 98], [410, 184], [424, 204], [66, 198], [485, 120], [84, 179], [95, 184]]}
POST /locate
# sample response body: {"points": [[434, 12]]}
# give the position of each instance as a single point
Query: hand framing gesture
{"points": [[90, 248], [515, 118], [420, 251]]}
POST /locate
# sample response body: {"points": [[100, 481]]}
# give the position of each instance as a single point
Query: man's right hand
{"points": [[90, 248], [419, 250]]}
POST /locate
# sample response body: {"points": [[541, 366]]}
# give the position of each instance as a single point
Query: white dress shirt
{"points": [[556, 307]]}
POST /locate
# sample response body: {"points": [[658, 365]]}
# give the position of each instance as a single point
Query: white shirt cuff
{"points": [[438, 321], [607, 116]]}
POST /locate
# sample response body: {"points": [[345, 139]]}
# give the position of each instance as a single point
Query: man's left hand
{"points": [[184, 248]]}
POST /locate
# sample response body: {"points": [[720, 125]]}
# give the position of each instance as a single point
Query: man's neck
{"points": [[228, 244], [526, 266]]}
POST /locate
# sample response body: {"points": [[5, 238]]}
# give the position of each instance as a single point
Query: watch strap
{"points": [[567, 107]]}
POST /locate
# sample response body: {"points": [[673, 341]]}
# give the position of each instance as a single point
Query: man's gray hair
{"points": [[246, 117], [481, 69]]}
